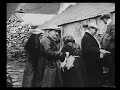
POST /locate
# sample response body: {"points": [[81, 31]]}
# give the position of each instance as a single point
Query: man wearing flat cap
{"points": [[48, 72], [92, 53], [108, 43], [109, 22]]}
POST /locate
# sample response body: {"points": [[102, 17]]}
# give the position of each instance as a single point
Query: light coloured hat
{"points": [[36, 31], [93, 25]]}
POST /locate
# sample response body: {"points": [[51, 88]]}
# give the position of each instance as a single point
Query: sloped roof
{"points": [[35, 8], [35, 19], [40, 8], [80, 11]]}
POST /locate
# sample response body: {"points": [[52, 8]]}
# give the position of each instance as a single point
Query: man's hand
{"points": [[67, 54], [104, 51]]}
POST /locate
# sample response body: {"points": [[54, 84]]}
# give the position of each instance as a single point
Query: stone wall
{"points": [[17, 36]]}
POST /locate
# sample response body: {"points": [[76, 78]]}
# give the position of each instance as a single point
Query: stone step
{"points": [[17, 86], [17, 83], [9, 66], [14, 76], [14, 80], [12, 70], [21, 70]]}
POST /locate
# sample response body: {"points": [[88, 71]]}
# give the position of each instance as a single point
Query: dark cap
{"points": [[106, 16]]}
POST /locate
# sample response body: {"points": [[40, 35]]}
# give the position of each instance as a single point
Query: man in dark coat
{"points": [[47, 70], [32, 50], [108, 43], [91, 54]]}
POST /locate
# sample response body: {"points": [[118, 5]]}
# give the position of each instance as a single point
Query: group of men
{"points": [[42, 69], [99, 54]]}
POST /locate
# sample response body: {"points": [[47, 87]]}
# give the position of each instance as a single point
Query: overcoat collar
{"points": [[94, 39]]}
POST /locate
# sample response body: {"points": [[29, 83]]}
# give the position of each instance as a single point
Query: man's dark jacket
{"points": [[108, 43], [48, 71], [43, 70], [91, 56], [32, 50]]}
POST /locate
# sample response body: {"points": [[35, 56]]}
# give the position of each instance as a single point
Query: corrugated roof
{"points": [[80, 11]]}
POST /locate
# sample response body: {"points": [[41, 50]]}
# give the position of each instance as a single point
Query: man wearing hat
{"points": [[108, 43], [92, 53], [108, 21], [48, 74], [32, 48]]}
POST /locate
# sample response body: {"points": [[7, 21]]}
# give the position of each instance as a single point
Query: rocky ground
{"points": [[16, 69]]}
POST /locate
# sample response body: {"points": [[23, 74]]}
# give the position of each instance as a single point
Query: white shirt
{"points": [[83, 32]]}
